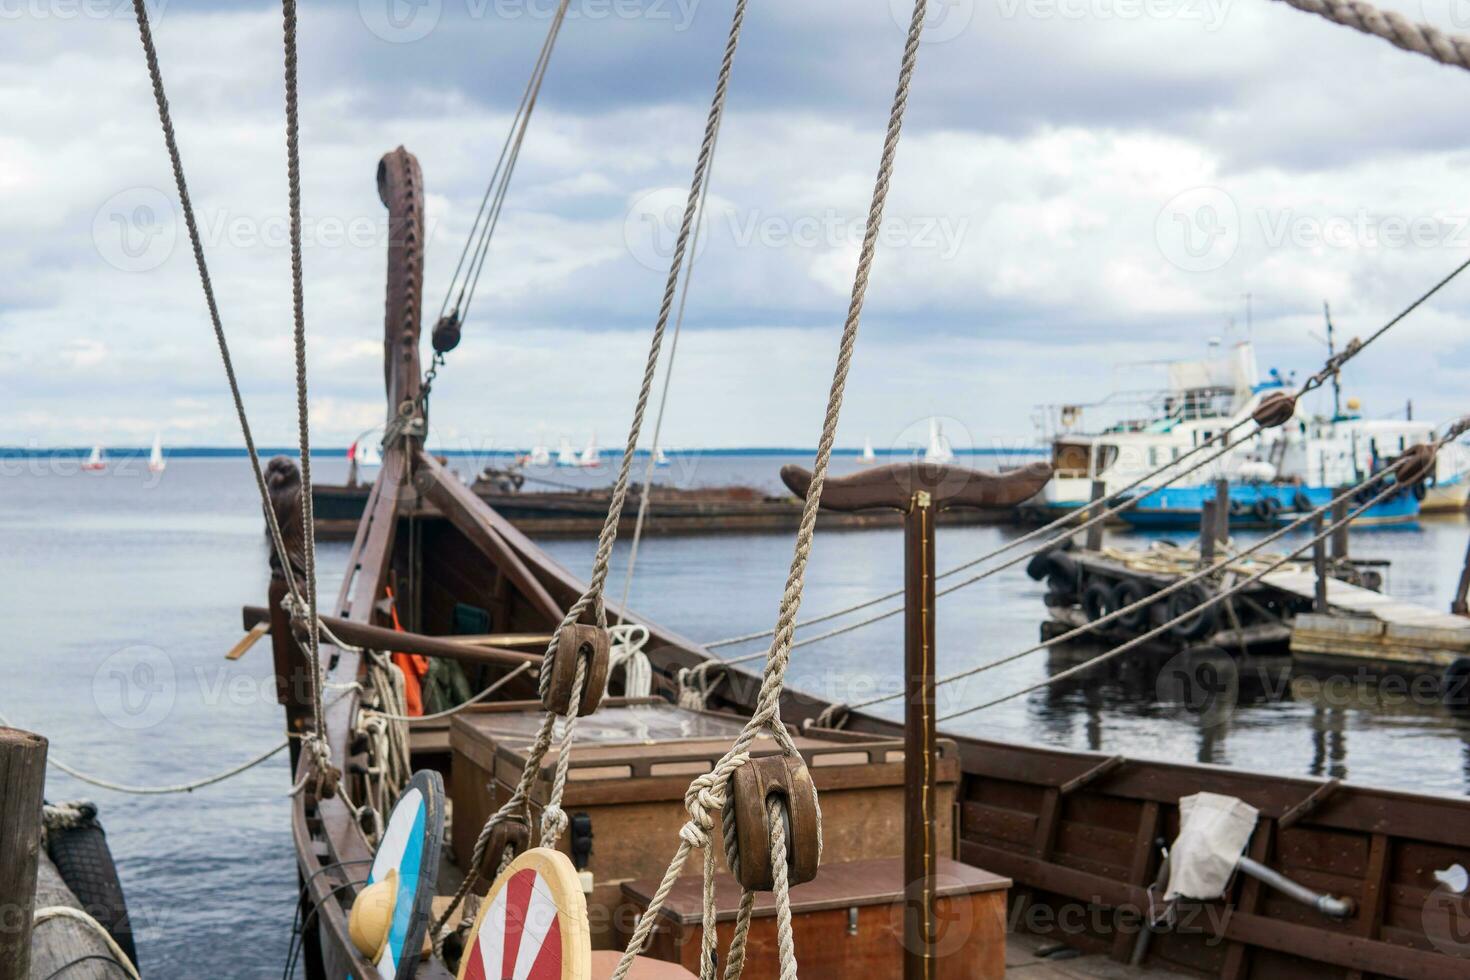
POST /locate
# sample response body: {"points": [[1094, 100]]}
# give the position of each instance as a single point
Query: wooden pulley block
{"points": [[511, 832], [1276, 409], [577, 642], [752, 787], [1414, 464]]}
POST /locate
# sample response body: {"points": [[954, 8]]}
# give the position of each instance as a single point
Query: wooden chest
{"points": [[848, 922], [630, 767]]}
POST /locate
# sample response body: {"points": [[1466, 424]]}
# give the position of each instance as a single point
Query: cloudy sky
{"points": [[1082, 185]]}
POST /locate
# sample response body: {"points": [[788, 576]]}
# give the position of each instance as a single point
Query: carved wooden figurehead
{"points": [[283, 483], [893, 487], [401, 188]]}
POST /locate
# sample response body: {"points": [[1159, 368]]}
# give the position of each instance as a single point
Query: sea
{"points": [[124, 591]]}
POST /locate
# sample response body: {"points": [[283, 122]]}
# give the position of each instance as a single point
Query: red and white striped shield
{"points": [[533, 924]]}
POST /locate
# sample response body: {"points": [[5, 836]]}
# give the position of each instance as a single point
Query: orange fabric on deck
{"points": [[412, 666]]}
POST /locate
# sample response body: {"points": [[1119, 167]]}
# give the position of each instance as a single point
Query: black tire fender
{"points": [[1126, 593], [1195, 627], [1097, 599], [81, 855]]}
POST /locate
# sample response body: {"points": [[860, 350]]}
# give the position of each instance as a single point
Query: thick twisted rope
{"points": [[1224, 564], [1215, 599], [155, 73], [303, 426], [592, 596], [710, 790], [1396, 29]]}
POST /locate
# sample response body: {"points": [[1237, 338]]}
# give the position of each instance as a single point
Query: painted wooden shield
{"points": [[532, 925], [410, 846]]}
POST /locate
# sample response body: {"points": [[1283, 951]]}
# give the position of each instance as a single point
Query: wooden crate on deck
{"points": [[631, 764]]}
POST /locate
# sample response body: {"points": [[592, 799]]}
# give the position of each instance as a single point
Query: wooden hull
{"points": [[734, 510], [1077, 831]]}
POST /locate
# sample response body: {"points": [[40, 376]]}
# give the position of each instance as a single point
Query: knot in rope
{"points": [[68, 815], [828, 717], [553, 821]]}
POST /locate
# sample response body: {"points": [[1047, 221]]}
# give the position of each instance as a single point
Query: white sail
{"points": [[95, 461], [590, 456], [565, 454], [868, 455], [156, 461], [660, 458], [539, 454], [939, 450]]}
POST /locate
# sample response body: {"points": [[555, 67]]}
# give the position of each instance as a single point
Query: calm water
{"points": [[124, 592]]}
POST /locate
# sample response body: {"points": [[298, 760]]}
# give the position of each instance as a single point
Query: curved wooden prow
{"points": [[893, 486], [401, 188]]}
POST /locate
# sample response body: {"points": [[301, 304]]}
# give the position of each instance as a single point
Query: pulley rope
{"points": [[1062, 521], [155, 73], [709, 791], [592, 596], [500, 182], [663, 397], [1217, 598], [1184, 582], [303, 423], [1330, 366], [1398, 30]]}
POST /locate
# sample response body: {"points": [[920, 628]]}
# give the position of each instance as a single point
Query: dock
{"points": [[1360, 624]]}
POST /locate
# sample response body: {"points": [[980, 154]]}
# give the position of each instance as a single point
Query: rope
{"points": [[663, 398], [520, 122], [450, 712], [1211, 601], [1232, 562], [628, 641], [317, 742], [709, 790], [164, 790], [1124, 502], [150, 53], [553, 821], [50, 912], [1398, 30], [785, 946]]}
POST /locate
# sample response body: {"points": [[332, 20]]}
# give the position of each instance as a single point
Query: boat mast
{"points": [[1331, 351]]}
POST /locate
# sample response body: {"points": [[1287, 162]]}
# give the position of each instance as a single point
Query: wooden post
{"points": [[920, 490], [1222, 510], [1095, 533], [22, 785], [1340, 529], [1319, 564], [920, 847], [1459, 606], [1207, 533], [293, 677]]}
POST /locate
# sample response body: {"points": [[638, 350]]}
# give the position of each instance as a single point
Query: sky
{"points": [[1083, 187]]}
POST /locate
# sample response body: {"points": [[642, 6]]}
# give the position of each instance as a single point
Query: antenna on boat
{"points": [[1331, 353]]}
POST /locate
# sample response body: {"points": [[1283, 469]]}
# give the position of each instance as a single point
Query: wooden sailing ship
{"points": [[1028, 840]]}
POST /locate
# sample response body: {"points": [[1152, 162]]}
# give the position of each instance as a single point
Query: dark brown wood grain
{"points": [[22, 783], [893, 486]]}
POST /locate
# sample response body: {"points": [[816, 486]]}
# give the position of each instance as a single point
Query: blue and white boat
{"points": [[1264, 505]]}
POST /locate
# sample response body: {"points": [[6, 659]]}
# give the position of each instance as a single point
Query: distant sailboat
{"points": [[539, 454], [868, 455], [565, 454], [659, 457], [156, 463], [590, 456], [96, 461], [939, 450]]}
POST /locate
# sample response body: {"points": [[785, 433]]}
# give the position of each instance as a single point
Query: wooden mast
{"points": [[921, 491]]}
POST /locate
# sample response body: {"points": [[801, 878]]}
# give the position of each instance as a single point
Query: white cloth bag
{"points": [[1213, 833]]}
